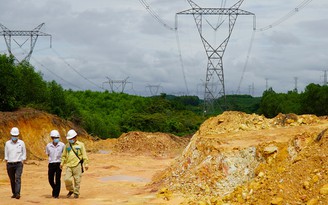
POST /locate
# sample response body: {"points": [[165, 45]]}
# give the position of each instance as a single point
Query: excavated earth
{"points": [[234, 158]]}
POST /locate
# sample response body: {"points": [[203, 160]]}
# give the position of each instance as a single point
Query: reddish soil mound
{"points": [[35, 127], [236, 158], [145, 143]]}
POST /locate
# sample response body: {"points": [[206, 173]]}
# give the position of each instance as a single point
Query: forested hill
{"points": [[108, 115]]}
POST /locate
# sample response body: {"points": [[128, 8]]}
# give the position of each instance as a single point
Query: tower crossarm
{"points": [[24, 33], [215, 11], [32, 34]]}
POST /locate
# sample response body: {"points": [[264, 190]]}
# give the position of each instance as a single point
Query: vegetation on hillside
{"points": [[108, 115]]}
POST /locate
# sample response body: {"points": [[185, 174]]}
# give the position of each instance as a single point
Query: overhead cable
{"points": [[55, 74], [155, 15], [181, 61], [287, 16], [246, 62], [75, 70]]}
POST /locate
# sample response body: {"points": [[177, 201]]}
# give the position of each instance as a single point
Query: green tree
{"points": [[314, 100], [8, 84]]}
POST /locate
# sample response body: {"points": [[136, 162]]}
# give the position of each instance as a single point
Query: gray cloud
{"points": [[106, 38]]}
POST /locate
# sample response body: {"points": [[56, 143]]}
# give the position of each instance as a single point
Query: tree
{"points": [[8, 84]]}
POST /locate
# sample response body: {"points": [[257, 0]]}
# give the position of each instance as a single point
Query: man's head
{"points": [[54, 134], [14, 132], [71, 136]]}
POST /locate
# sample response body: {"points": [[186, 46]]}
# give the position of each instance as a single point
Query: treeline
{"points": [[314, 100], [102, 114], [108, 115]]}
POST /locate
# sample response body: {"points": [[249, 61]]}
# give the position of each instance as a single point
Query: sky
{"points": [[107, 44]]}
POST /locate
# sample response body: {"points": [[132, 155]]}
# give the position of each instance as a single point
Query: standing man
{"points": [[74, 156], [54, 151], [15, 155]]}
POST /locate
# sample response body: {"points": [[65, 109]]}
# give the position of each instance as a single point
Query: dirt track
{"points": [[111, 179], [234, 158]]}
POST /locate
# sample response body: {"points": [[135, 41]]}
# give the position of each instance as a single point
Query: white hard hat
{"points": [[71, 134], [14, 131], [54, 133]]}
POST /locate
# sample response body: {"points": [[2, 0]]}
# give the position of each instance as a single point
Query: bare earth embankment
{"points": [[234, 158]]}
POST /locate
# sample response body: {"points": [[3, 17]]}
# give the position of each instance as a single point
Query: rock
{"points": [[277, 201], [324, 189], [306, 185], [312, 202], [270, 149]]}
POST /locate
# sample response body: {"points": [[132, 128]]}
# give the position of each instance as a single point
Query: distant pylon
{"points": [[325, 78], [295, 79], [117, 85], [153, 89], [34, 34], [214, 55]]}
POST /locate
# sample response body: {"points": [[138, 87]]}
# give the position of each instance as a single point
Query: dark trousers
{"points": [[15, 171], [54, 174]]}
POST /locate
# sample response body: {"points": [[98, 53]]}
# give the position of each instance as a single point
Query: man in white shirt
{"points": [[15, 155], [54, 151]]}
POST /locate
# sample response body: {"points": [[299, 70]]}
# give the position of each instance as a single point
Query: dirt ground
{"points": [[111, 179], [233, 159]]}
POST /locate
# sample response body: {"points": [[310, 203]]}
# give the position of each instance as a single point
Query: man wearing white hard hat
{"points": [[15, 155], [54, 151], [75, 158]]}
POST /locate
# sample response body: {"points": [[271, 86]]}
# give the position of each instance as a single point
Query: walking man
{"points": [[74, 156], [15, 155], [54, 151]]}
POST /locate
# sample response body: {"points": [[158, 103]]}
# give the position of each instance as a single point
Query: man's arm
{"points": [[24, 152], [85, 157], [6, 152], [63, 157]]}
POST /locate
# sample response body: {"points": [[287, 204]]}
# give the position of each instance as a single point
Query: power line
{"points": [[181, 61], [246, 62], [75, 70], [55, 74], [287, 16], [159, 19], [155, 15]]}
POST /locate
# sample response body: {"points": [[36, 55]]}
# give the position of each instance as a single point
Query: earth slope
{"points": [[236, 158]]}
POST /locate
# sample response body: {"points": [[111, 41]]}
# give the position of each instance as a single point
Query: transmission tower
{"points": [[295, 81], [117, 85], [214, 71], [325, 78], [153, 89], [33, 35]]}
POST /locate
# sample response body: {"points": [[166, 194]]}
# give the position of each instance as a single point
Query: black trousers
{"points": [[15, 171], [54, 175]]}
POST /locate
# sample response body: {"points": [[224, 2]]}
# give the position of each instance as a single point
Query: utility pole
{"points": [[214, 71], [325, 78], [33, 35], [117, 85]]}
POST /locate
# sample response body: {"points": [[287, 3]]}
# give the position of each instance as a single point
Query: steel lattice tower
{"points": [[117, 85], [214, 55], [34, 34]]}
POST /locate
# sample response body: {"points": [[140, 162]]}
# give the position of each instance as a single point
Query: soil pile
{"points": [[154, 144], [35, 127], [236, 158]]}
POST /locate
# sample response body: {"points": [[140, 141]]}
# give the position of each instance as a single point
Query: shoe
{"points": [[17, 196], [69, 194], [13, 196], [76, 196]]}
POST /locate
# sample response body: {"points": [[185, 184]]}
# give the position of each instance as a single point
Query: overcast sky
{"points": [[100, 41]]}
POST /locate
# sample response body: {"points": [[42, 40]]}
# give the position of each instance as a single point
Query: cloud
{"points": [[93, 40]]}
